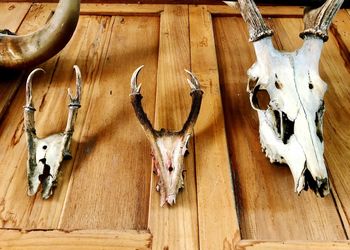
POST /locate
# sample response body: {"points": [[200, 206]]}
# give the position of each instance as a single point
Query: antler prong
{"points": [[75, 100], [29, 101], [251, 15], [317, 21], [196, 94], [135, 89]]}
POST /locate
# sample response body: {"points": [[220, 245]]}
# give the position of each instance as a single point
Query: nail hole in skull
{"points": [[311, 86], [278, 85], [170, 169], [44, 147], [261, 98]]}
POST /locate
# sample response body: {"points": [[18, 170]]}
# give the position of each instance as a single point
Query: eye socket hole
{"points": [[252, 82], [261, 98]]}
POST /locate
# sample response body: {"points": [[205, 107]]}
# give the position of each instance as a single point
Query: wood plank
{"points": [[174, 227], [293, 245], [11, 17], [275, 11], [82, 239], [120, 9], [111, 181], [265, 192], [217, 215]]}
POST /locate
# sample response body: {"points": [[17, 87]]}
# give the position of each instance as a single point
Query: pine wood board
{"points": [[265, 10], [110, 185], [293, 245], [120, 9], [217, 215], [265, 192], [175, 227], [83, 239]]}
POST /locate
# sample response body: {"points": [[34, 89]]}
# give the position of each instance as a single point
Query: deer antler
{"points": [[317, 21]]}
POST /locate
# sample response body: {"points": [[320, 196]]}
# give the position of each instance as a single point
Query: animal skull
{"points": [[168, 147], [290, 125], [37, 47], [46, 154]]}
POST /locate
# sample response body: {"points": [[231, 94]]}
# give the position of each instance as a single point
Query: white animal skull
{"points": [[290, 125]]}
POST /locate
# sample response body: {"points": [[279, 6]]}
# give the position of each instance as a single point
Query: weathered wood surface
{"points": [[72, 240], [109, 182], [217, 215]]}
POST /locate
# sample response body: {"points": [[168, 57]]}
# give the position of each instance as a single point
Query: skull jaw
{"points": [[293, 155]]}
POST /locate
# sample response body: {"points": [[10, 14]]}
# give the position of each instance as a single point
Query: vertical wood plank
{"points": [[268, 207], [11, 17], [217, 215], [174, 227], [111, 181]]}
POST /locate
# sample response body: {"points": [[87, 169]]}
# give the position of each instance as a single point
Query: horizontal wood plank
{"points": [[95, 239], [120, 9], [293, 245]]}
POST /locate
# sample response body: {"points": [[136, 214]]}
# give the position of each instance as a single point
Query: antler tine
{"points": [[317, 21], [251, 15], [29, 101], [196, 94], [136, 98], [75, 101], [135, 89]]}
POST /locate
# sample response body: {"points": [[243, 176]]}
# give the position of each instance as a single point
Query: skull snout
{"points": [[171, 199]]}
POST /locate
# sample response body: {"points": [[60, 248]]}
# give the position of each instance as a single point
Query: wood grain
{"points": [[110, 185], [11, 17], [120, 9], [174, 227], [293, 245], [83, 239], [217, 216], [265, 192]]}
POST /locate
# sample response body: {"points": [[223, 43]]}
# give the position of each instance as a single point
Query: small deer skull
{"points": [[290, 125], [46, 154], [168, 147]]}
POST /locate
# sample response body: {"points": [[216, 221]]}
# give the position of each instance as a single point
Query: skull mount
{"points": [[46, 154], [168, 147], [290, 122]]}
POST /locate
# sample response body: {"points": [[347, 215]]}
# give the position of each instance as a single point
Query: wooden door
{"points": [[106, 199]]}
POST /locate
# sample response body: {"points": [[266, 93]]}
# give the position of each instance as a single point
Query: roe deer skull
{"points": [[46, 154], [290, 126], [168, 147], [37, 47]]}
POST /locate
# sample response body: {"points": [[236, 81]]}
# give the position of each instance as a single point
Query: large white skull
{"points": [[290, 121]]}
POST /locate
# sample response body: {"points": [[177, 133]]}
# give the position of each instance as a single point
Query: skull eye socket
{"points": [[260, 98], [319, 122]]}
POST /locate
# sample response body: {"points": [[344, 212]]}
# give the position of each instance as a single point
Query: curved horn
{"points": [[37, 47], [251, 15], [196, 94], [136, 98], [317, 21]]}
